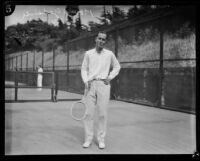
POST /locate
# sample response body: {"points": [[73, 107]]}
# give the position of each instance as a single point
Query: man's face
{"points": [[101, 40]]}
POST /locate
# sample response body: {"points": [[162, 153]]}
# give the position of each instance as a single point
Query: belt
{"points": [[98, 79]]}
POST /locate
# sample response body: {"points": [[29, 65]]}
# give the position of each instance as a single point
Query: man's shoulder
{"points": [[108, 51], [90, 51]]}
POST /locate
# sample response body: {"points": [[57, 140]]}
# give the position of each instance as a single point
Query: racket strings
{"points": [[78, 110]]}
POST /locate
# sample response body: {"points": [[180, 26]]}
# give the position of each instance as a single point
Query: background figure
{"points": [[39, 78]]}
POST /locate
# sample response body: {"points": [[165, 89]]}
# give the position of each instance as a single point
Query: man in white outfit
{"points": [[39, 78], [96, 74]]}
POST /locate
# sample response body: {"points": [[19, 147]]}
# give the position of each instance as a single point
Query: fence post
{"points": [[56, 85], [21, 62], [26, 61], [193, 87], [53, 96], [12, 63], [161, 70], [116, 42], [16, 86], [43, 59], [53, 58], [7, 64], [68, 64], [16, 62], [34, 60], [145, 72]]}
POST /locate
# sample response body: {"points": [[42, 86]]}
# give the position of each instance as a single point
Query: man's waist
{"points": [[98, 79]]}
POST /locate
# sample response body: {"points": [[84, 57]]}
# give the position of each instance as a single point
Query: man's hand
{"points": [[107, 81], [87, 85]]}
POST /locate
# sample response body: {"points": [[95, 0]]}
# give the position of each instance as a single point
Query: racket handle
{"points": [[86, 92]]}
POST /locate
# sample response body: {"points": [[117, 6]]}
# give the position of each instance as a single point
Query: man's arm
{"points": [[115, 69], [84, 70]]}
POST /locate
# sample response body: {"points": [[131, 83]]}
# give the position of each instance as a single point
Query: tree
{"points": [[155, 7], [104, 16], [138, 10], [118, 14], [78, 23], [109, 18], [133, 11], [74, 28], [60, 24], [93, 25], [145, 8], [72, 11]]}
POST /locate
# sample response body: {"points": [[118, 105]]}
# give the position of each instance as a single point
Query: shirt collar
{"points": [[102, 51]]}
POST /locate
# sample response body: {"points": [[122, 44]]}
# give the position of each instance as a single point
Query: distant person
{"points": [[39, 78], [96, 75]]}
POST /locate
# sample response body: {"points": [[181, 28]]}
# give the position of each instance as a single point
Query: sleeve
{"points": [[85, 68], [115, 67]]}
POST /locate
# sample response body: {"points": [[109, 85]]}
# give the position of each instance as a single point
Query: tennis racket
{"points": [[78, 109]]}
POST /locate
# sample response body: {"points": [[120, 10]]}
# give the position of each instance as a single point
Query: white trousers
{"points": [[98, 96], [39, 82]]}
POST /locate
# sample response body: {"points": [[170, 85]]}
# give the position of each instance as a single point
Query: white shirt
{"points": [[97, 65], [40, 70]]}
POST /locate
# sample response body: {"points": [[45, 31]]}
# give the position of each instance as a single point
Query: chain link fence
{"points": [[157, 54]]}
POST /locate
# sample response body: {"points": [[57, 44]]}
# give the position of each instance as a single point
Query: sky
{"points": [[24, 13]]}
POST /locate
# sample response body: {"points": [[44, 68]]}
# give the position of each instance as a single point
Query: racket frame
{"points": [[71, 111]]}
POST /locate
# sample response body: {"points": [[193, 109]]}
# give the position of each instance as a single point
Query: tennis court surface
{"points": [[45, 127]]}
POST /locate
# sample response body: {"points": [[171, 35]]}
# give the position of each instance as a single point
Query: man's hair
{"points": [[102, 32]]}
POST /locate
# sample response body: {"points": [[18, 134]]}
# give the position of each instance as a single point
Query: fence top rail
{"points": [[23, 86], [31, 72], [158, 60]]}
